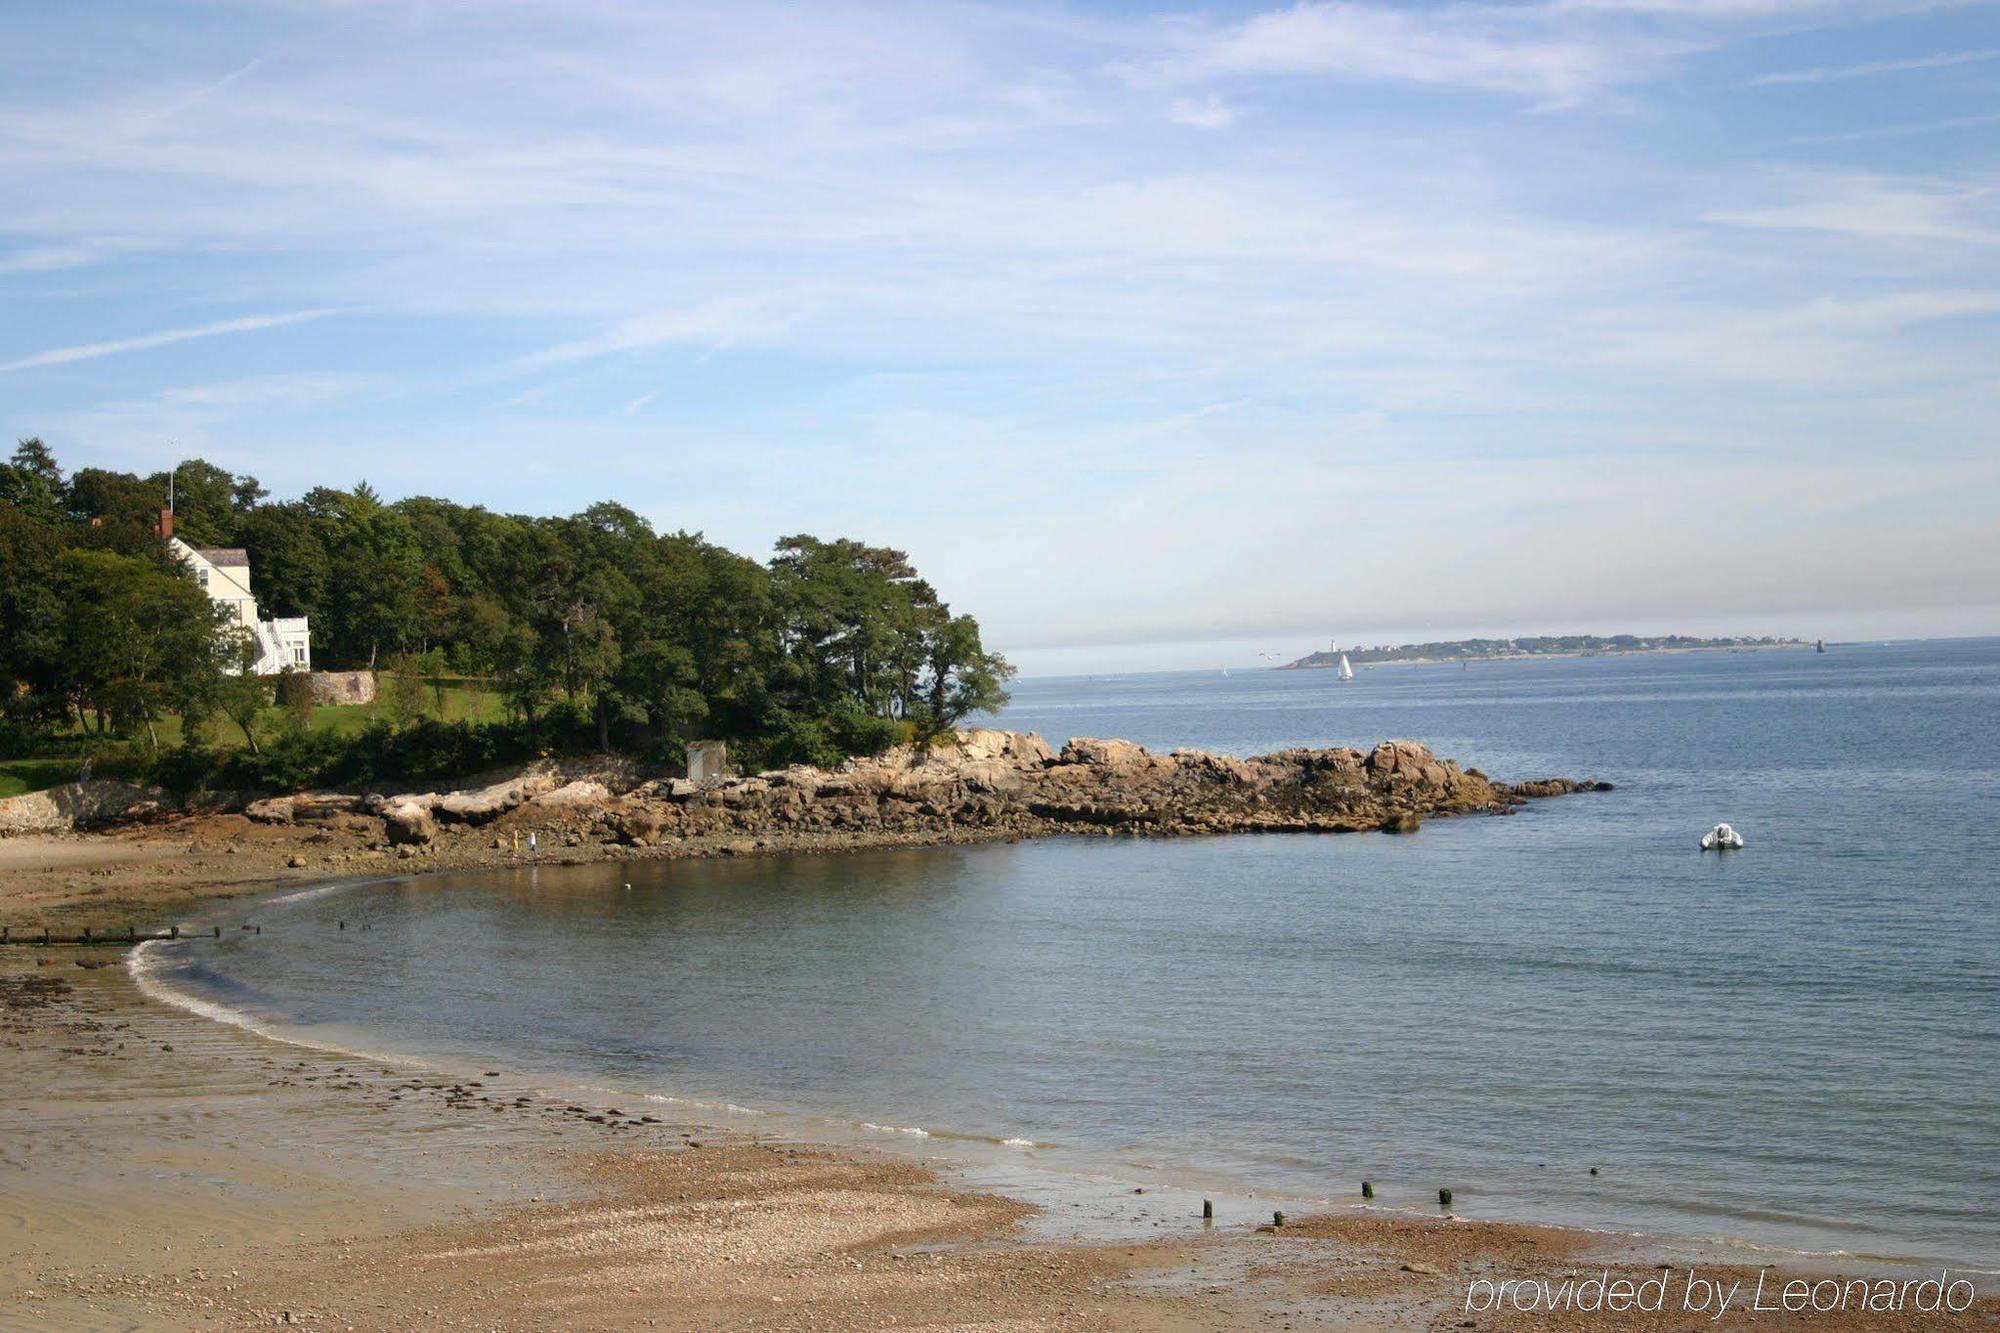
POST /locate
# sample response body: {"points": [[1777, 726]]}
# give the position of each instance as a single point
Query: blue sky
{"points": [[1157, 335]]}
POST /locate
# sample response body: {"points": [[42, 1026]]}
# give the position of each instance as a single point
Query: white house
{"points": [[224, 574]]}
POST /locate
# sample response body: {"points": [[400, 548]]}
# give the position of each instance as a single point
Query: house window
{"points": [[299, 656], [201, 577]]}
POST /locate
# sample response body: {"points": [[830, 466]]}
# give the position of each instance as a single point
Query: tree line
{"points": [[643, 640]]}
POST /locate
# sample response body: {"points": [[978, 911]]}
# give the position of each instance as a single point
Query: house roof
{"points": [[224, 556]]}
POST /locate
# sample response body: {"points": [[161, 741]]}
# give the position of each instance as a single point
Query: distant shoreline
{"points": [[1309, 663]]}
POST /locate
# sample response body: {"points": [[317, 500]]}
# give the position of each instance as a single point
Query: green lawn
{"points": [[463, 701], [461, 704], [19, 775]]}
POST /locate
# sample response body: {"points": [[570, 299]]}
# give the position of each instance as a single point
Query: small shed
{"points": [[708, 761]]}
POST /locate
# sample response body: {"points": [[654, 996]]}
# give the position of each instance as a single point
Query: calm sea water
{"points": [[1795, 1045]]}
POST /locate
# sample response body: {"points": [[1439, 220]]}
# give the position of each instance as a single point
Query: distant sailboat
{"points": [[1346, 671]]}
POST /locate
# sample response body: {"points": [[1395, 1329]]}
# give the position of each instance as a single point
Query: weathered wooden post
{"points": [[1444, 1198], [45, 934], [173, 932], [1207, 1210], [218, 932], [1367, 1190], [86, 935], [1277, 1219]]}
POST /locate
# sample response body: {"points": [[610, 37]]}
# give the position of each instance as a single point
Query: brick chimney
{"points": [[166, 526]]}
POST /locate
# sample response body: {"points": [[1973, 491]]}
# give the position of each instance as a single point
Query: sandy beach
{"points": [[164, 1170]]}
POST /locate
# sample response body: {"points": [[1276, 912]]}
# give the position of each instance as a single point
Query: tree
{"points": [[32, 483], [833, 647], [295, 696], [402, 691], [243, 695], [287, 547], [138, 641], [849, 614], [964, 678], [115, 511], [31, 614], [209, 502], [374, 599]]}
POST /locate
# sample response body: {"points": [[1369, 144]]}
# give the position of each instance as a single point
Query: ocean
{"points": [[1569, 1014]]}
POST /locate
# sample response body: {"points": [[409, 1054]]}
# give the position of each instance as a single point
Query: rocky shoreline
{"points": [[118, 856], [987, 784]]}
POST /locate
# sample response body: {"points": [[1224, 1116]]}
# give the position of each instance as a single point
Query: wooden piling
{"points": [[1207, 1210], [1277, 1219], [1444, 1198], [1367, 1190]]}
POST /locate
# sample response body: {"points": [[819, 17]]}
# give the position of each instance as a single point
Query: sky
{"points": [[1159, 335]]}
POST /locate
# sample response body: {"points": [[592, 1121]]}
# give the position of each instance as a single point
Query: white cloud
{"points": [[712, 324], [1204, 113], [1875, 207], [1880, 132], [47, 259], [57, 356], [1518, 50], [1832, 73]]}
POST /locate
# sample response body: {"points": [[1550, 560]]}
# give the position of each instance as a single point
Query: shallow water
{"points": [[1791, 1046]]}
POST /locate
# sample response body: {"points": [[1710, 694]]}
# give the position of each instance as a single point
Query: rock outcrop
{"points": [[986, 784]]}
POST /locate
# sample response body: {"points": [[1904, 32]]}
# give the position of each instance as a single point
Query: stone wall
{"points": [[76, 805], [342, 687]]}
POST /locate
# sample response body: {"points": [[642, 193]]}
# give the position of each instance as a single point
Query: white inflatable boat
{"points": [[1721, 838]]}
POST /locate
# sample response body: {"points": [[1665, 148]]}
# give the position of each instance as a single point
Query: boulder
{"points": [[408, 822], [322, 805], [272, 810], [342, 688], [480, 805], [977, 743], [572, 795], [638, 825], [991, 775], [1114, 755], [1399, 757], [1207, 767]]}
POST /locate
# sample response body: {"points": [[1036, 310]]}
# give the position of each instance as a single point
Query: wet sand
{"points": [[159, 1170]]}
